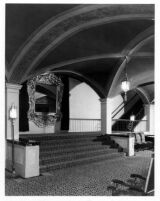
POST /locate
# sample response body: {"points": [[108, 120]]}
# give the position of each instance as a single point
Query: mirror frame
{"points": [[43, 120]]}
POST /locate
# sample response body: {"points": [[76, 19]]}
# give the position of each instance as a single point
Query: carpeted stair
{"points": [[70, 149]]}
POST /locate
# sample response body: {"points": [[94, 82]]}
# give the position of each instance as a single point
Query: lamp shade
{"points": [[132, 117], [13, 112], [125, 85]]}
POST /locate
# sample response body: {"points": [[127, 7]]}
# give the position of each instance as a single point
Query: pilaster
{"points": [[12, 98], [106, 118]]}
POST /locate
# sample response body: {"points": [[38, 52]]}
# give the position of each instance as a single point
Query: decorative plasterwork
{"points": [[58, 30], [43, 120]]}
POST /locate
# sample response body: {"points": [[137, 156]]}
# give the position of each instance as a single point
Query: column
{"points": [[106, 118], [149, 113], [12, 97]]}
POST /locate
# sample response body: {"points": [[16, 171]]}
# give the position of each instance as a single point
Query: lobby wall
{"points": [[84, 101]]}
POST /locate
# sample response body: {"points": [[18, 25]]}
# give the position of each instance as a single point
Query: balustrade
{"points": [[84, 125]]}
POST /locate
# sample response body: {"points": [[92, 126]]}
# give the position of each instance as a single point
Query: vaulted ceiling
{"points": [[87, 42]]}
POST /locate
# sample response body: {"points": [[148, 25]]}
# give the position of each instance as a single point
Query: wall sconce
{"points": [[13, 116], [125, 84]]}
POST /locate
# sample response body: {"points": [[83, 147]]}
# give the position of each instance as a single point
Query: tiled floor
{"points": [[91, 179]]}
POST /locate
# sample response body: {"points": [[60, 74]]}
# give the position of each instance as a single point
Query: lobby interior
{"points": [[79, 92]]}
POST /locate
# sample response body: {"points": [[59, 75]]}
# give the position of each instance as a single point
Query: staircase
{"points": [[133, 106], [70, 149]]}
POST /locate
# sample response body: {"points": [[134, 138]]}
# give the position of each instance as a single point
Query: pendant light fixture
{"points": [[125, 84]]}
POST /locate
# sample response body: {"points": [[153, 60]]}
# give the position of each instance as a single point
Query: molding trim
{"points": [[13, 86]]}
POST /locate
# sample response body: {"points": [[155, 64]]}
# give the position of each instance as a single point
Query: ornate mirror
{"points": [[45, 96]]}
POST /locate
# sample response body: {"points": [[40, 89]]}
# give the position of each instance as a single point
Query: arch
{"points": [[142, 95], [77, 76], [85, 79], [129, 50], [77, 60], [66, 25]]}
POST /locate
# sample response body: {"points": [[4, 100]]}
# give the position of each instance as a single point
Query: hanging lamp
{"points": [[125, 84]]}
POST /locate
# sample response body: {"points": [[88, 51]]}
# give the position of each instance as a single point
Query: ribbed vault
{"points": [[88, 42]]}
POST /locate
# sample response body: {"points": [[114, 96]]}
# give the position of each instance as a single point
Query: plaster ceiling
{"points": [[23, 19], [88, 42]]}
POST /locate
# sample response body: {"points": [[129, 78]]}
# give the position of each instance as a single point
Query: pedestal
{"points": [[26, 159]]}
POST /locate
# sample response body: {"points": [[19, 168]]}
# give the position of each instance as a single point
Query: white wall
{"points": [[84, 101], [84, 104], [115, 102]]}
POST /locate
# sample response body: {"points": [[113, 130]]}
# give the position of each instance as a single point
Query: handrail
{"points": [[127, 120], [131, 99], [118, 107]]}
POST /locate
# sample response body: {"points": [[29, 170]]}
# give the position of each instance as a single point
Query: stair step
{"points": [[75, 140], [67, 141], [69, 144], [48, 137], [65, 164], [75, 144], [73, 149], [73, 156]]}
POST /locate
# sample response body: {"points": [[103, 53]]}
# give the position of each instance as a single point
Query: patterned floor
{"points": [[91, 179]]}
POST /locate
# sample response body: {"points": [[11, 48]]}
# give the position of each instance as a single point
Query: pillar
{"points": [[12, 97], [106, 117], [130, 145], [149, 113]]}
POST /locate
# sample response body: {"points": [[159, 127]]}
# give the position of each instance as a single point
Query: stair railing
{"points": [[123, 105], [127, 125]]}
